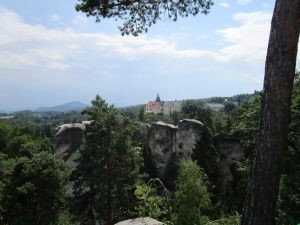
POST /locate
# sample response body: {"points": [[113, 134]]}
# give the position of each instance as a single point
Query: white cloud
{"points": [[224, 5], [58, 66], [55, 18], [48, 53], [249, 40], [22, 44], [243, 2], [79, 19]]}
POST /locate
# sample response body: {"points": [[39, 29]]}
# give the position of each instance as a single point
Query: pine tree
{"points": [[108, 167]]}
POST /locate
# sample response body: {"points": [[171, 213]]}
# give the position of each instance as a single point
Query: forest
{"points": [[111, 181], [197, 166]]}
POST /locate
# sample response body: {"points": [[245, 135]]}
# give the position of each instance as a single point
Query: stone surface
{"points": [[140, 221], [231, 152], [167, 144], [68, 140]]}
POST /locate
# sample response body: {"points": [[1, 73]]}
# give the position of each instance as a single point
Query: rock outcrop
{"points": [[167, 144], [68, 140], [231, 153], [140, 221]]}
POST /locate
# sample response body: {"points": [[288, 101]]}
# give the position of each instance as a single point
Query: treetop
{"points": [[139, 15]]}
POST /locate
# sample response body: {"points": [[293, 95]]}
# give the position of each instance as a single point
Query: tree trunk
{"points": [[261, 198]]}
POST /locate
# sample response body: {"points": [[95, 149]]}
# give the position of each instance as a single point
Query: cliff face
{"points": [[68, 140], [231, 153], [167, 144]]}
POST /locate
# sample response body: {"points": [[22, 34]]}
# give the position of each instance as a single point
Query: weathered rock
{"points": [[167, 144], [231, 152], [68, 140], [140, 221]]}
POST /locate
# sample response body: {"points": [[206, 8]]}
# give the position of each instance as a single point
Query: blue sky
{"points": [[51, 54]]}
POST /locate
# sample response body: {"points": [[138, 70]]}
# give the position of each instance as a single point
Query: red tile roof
{"points": [[154, 103]]}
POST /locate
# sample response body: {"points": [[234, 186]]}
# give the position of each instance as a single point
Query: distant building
{"points": [[163, 107], [216, 106], [6, 117]]}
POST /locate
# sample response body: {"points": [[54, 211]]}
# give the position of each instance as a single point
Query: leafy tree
{"points": [[149, 203], [65, 218], [280, 66], [176, 116], [229, 106], [33, 189], [205, 154], [108, 168], [3, 136], [139, 15], [247, 123], [195, 110], [25, 145], [142, 114], [192, 199], [230, 220]]}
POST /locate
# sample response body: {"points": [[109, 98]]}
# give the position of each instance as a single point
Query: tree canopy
{"points": [[108, 167], [139, 15]]}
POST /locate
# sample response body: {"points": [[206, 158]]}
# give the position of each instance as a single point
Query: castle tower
{"points": [[158, 98]]}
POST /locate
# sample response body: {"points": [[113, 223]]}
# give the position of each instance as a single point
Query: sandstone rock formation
{"points": [[231, 152], [167, 144], [68, 140], [140, 221]]}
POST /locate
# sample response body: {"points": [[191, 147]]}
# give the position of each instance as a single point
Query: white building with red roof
{"points": [[162, 107]]}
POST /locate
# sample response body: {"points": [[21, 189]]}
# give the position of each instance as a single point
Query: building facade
{"points": [[163, 107], [216, 106]]}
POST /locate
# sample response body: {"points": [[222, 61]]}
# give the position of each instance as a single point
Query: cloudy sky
{"points": [[51, 54]]}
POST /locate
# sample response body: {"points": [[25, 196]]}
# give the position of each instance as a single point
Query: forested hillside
{"points": [[111, 182]]}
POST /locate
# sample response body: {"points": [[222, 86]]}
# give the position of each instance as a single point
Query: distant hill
{"points": [[9, 110], [71, 106]]}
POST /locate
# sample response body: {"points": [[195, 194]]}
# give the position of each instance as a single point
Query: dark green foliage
{"points": [[231, 199], [108, 168], [229, 106], [246, 125], [42, 123], [229, 220], [289, 195], [240, 98], [33, 189], [65, 218], [142, 115], [139, 15], [5, 131], [205, 154], [193, 109], [15, 141], [245, 129], [32, 181], [192, 199], [220, 122], [149, 202]]}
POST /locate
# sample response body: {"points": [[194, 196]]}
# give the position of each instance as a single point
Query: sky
{"points": [[50, 54]]}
